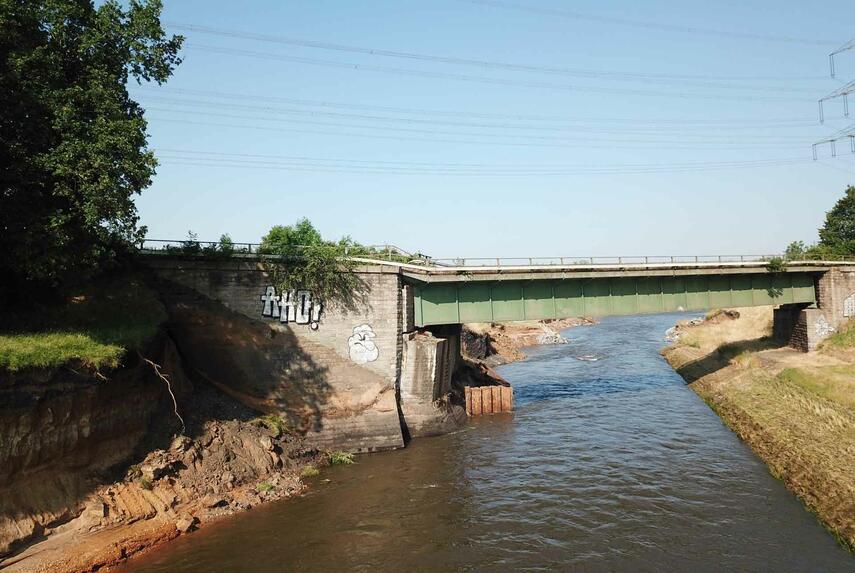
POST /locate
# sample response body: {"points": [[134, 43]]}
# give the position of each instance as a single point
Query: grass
{"points": [[836, 383], [263, 487], [274, 423], [93, 327], [340, 458], [309, 471], [755, 322], [842, 339]]}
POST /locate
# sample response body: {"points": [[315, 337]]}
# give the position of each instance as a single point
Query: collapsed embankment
{"points": [[795, 410], [106, 446], [91, 472]]}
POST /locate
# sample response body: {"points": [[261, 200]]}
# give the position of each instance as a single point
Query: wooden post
{"points": [[507, 399], [496, 392], [477, 404]]}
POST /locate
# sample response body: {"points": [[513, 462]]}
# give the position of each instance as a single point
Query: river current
{"points": [[610, 463]]}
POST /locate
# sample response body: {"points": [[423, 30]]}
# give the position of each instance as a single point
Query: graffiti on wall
{"points": [[295, 306], [822, 327], [849, 306], [362, 346]]}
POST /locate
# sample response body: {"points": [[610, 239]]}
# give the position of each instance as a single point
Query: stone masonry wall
{"points": [[334, 377], [835, 295]]}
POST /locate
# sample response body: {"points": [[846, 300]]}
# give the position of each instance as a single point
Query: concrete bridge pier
{"points": [[805, 326], [426, 395]]}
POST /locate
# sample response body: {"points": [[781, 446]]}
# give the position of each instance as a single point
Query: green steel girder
{"points": [[501, 301]]}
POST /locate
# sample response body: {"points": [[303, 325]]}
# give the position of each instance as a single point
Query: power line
{"points": [[694, 30], [274, 113], [614, 169], [484, 64], [705, 123], [492, 139], [478, 79], [303, 159]]}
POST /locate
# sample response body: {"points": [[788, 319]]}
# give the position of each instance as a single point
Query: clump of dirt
{"points": [[500, 343]]}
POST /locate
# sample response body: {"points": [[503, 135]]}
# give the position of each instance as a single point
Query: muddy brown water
{"points": [[610, 463]]}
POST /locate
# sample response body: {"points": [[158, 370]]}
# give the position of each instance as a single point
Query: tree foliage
{"points": [[838, 232], [73, 144], [299, 258], [836, 236]]}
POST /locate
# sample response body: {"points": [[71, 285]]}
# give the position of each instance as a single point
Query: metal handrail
{"points": [[190, 246], [627, 260], [386, 251]]}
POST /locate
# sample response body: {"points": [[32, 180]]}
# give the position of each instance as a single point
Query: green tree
{"points": [[73, 144], [837, 235], [287, 239], [795, 250]]}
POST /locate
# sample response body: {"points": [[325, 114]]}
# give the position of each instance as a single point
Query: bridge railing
{"points": [[627, 260], [393, 253], [202, 248]]}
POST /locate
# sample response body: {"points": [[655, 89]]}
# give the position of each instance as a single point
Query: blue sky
{"points": [[559, 129]]}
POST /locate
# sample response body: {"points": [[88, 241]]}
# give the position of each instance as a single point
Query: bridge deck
{"points": [[492, 297]]}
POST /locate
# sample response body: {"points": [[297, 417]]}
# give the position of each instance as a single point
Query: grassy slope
{"points": [[93, 328], [796, 411]]}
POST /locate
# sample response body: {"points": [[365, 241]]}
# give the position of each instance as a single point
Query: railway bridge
{"points": [[367, 378]]}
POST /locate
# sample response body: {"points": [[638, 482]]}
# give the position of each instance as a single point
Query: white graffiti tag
{"points": [[361, 343], [823, 329], [292, 306]]}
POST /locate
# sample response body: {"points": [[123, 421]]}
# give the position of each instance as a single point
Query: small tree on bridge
{"points": [[299, 258]]}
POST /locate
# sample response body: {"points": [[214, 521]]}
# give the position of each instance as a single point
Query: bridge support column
{"points": [[805, 328], [427, 400]]}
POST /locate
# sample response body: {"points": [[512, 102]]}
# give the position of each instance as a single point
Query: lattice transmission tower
{"points": [[847, 133]]}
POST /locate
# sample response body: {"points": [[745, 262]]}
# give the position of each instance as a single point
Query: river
{"points": [[610, 463]]}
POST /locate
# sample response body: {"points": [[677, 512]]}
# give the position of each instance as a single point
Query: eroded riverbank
{"points": [[795, 410]]}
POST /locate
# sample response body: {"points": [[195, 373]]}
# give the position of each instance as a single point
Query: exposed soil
{"points": [[227, 460], [793, 409], [500, 343]]}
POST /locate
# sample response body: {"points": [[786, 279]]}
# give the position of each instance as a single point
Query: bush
{"points": [[274, 423], [341, 458], [309, 471]]}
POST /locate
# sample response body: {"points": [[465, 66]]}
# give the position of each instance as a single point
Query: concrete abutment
{"points": [[805, 326]]}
